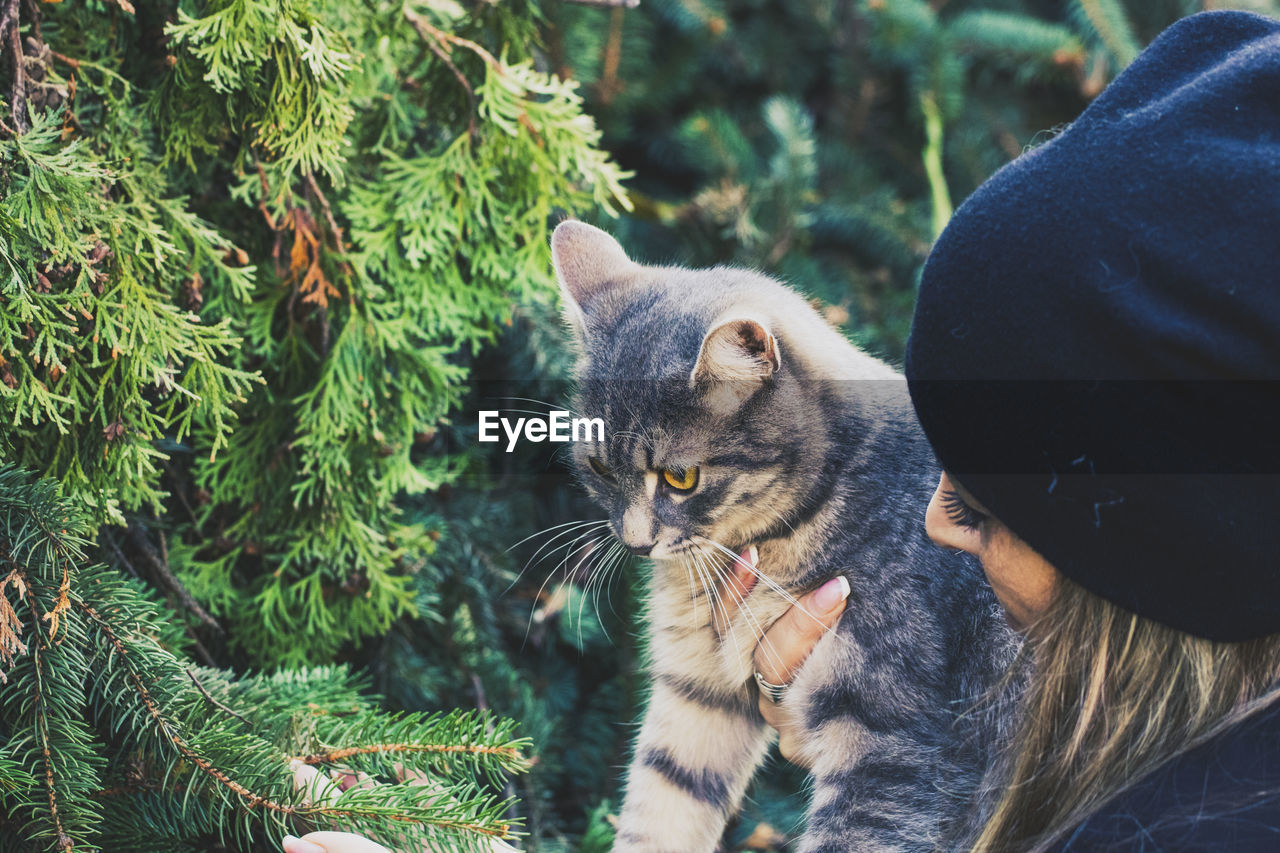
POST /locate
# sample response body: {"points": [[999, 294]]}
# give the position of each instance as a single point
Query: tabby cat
{"points": [[736, 417]]}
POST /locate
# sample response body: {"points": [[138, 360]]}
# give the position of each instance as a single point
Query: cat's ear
{"points": [[586, 260], [737, 358]]}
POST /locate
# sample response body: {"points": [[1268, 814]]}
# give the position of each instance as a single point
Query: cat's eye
{"points": [[599, 467], [681, 481]]}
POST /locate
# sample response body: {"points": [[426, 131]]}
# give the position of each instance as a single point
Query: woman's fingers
{"points": [[789, 641], [786, 645], [734, 587], [331, 842]]}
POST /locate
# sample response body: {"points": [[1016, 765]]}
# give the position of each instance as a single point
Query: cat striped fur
{"points": [[806, 449]]}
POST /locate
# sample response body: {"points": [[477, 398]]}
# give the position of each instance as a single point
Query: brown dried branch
{"points": [[9, 25], [21, 583], [609, 85], [328, 212], [443, 56], [167, 579], [74, 63], [61, 606], [209, 696], [11, 644], [444, 39]]}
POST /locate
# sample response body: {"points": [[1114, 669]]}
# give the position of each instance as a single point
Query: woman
{"points": [[1094, 357]]}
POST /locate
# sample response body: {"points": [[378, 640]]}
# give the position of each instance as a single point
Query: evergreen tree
{"points": [[249, 247], [224, 287], [826, 141], [114, 740], [253, 254]]}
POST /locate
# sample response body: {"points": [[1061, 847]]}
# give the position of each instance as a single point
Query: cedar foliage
{"points": [[210, 261], [249, 247]]}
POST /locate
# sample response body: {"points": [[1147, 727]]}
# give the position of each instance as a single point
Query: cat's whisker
{"points": [[589, 571], [686, 561], [704, 576], [616, 559], [523, 411], [581, 529], [779, 516], [719, 582], [589, 565], [725, 575], [597, 578], [570, 550], [564, 407], [707, 590], [511, 548], [768, 581]]}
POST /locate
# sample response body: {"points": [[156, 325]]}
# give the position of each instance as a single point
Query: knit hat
{"points": [[1095, 353]]}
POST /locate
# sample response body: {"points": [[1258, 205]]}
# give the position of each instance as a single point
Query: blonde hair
{"points": [[1112, 696]]}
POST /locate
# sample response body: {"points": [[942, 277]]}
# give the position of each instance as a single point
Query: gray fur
{"points": [[809, 450]]}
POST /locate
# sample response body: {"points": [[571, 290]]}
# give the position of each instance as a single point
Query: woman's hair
{"points": [[1111, 696]]}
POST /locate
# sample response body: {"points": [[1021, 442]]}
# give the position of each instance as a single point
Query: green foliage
{"points": [[210, 263], [248, 251], [897, 108], [114, 741], [98, 361]]}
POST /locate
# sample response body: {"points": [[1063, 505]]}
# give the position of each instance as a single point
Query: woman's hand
{"points": [[319, 787], [331, 842], [788, 642]]}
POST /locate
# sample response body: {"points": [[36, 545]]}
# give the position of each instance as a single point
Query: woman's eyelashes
{"points": [[960, 513]]}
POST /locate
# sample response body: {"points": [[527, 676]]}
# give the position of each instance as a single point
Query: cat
{"points": [[736, 417]]}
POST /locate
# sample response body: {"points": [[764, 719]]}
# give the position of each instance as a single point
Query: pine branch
{"points": [[251, 800], [61, 840], [440, 749], [214, 702], [1108, 20]]}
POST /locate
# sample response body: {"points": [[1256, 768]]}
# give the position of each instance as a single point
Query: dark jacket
{"points": [[1222, 796]]}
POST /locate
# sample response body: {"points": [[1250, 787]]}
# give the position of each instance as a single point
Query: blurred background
{"points": [[354, 197], [822, 142]]}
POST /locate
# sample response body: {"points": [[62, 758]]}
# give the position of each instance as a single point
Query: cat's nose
{"points": [[640, 550]]}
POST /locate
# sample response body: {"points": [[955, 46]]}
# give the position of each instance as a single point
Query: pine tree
{"points": [[249, 248], [114, 740]]}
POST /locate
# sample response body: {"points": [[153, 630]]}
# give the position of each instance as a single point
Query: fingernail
{"points": [[293, 844], [831, 593]]}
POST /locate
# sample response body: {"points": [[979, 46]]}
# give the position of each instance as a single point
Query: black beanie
{"points": [[1095, 353]]}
